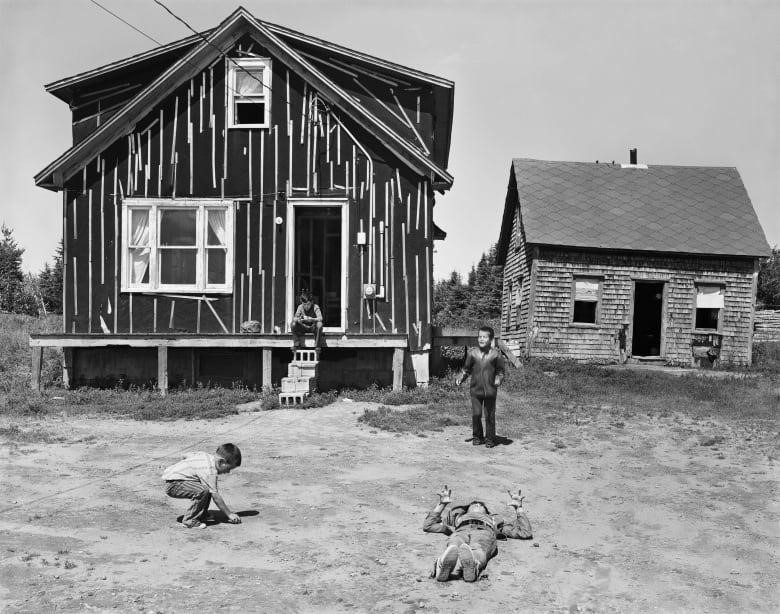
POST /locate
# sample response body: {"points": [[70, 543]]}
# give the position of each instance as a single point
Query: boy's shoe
{"points": [[469, 563], [477, 441], [446, 563], [193, 524], [490, 443]]}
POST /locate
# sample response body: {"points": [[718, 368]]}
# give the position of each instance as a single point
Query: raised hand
{"points": [[515, 501], [444, 495]]}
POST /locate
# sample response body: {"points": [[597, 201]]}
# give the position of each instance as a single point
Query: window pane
{"points": [[216, 266], [249, 112], [707, 318], [177, 266], [585, 311], [139, 227], [177, 227], [249, 84], [139, 266], [216, 227]]}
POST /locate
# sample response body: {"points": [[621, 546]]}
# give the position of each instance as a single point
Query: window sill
{"points": [[249, 126], [585, 324], [161, 291]]}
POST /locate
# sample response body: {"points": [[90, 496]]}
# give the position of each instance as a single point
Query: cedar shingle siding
{"points": [[552, 333], [688, 226]]}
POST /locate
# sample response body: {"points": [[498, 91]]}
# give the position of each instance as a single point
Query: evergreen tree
{"points": [[11, 275], [768, 293], [50, 283]]}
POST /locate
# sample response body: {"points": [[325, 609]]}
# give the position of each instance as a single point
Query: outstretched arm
{"points": [[433, 521], [520, 526]]}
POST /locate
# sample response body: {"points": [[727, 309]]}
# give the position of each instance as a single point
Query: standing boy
{"points": [[307, 319], [195, 477], [486, 368]]}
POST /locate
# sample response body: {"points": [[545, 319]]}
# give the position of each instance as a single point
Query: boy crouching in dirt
{"points": [[473, 532], [195, 477]]}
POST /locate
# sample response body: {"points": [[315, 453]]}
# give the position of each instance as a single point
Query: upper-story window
{"points": [[177, 245], [249, 93], [709, 304]]}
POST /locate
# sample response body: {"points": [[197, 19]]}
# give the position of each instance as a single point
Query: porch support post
{"points": [[67, 367], [162, 369], [266, 375], [421, 364], [36, 357], [398, 368]]}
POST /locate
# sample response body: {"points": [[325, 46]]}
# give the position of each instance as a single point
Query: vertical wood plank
{"points": [[67, 368], [267, 365], [116, 246], [162, 369], [398, 368], [36, 357], [89, 263]]}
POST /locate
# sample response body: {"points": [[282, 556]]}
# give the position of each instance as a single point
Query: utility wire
{"points": [[154, 40]]}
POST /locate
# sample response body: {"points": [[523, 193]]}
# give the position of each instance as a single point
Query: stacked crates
{"points": [[301, 378]]}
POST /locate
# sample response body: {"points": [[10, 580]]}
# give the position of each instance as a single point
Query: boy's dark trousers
{"points": [[190, 489], [489, 405]]}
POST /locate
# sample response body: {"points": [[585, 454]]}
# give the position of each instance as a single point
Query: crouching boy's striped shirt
{"points": [[197, 467]]}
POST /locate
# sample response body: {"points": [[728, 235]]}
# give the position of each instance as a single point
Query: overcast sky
{"points": [[686, 82]]}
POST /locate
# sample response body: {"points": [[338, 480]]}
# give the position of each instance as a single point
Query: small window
{"points": [[709, 303], [180, 246], [249, 93], [517, 300], [587, 291]]}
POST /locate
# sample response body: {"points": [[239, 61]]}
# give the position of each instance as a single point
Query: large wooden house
{"points": [[660, 262], [213, 178]]}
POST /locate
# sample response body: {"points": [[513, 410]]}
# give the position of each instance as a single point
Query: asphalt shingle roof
{"points": [[699, 210]]}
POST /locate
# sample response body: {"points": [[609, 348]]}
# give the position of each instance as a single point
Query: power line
{"points": [[210, 44], [127, 23]]}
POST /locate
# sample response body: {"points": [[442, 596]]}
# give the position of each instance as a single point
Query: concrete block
{"points": [[288, 399]]}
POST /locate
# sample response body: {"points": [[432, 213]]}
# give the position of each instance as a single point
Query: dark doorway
{"points": [[648, 307], [318, 258]]}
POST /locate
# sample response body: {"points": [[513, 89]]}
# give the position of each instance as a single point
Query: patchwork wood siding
{"points": [[552, 333], [183, 149], [514, 312]]}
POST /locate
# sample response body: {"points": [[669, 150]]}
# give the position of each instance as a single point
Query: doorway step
{"points": [[301, 380], [648, 360]]}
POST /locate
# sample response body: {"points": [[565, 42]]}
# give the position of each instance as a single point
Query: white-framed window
{"points": [[586, 298], [249, 93], [177, 245], [709, 303]]}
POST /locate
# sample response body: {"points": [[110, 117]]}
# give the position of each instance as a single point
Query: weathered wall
{"points": [[180, 150], [514, 316], [552, 333]]}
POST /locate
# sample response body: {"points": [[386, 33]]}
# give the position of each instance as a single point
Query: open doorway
{"points": [[317, 260], [648, 313]]}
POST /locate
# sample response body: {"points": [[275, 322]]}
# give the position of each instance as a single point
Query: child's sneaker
{"points": [[470, 565], [446, 563], [193, 524]]}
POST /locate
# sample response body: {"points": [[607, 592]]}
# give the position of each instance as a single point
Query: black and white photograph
{"points": [[433, 306]]}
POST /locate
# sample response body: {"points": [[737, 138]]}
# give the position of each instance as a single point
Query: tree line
{"points": [[31, 294]]}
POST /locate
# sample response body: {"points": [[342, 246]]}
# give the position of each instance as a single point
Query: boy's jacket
{"points": [[483, 369]]}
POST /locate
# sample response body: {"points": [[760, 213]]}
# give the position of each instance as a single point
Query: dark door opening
{"points": [[648, 307], [318, 259]]}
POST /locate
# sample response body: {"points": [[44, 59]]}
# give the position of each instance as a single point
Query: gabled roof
{"points": [[674, 209], [198, 56]]}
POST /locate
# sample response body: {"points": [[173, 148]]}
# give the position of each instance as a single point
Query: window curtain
{"points": [[217, 219], [247, 85], [709, 297], [586, 290], [140, 237]]}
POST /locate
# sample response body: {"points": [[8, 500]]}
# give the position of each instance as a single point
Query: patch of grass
{"points": [[766, 356], [14, 433], [69, 564], [415, 419]]}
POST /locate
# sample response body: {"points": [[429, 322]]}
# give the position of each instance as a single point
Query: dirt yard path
{"points": [[628, 517]]}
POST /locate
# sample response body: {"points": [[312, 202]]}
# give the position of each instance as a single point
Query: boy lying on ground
{"points": [[195, 477], [473, 532]]}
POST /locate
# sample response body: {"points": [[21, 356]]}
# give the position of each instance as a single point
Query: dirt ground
{"points": [[645, 514]]}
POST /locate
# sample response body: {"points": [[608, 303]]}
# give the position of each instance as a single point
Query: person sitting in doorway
{"points": [[307, 319], [473, 532]]}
